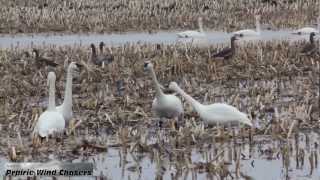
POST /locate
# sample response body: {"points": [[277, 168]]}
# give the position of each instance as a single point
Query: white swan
{"points": [[308, 30], [193, 34], [250, 32], [164, 105], [51, 120], [66, 107], [213, 113]]}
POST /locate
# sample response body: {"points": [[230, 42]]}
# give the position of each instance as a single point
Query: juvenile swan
{"points": [[51, 120], [213, 113]]}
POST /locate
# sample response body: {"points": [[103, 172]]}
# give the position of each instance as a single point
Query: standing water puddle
{"points": [[266, 159], [212, 37]]}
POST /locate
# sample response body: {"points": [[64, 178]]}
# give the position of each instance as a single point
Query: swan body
{"points": [[222, 113], [66, 107], [51, 120], [164, 105], [168, 106], [214, 113], [308, 30], [250, 32], [193, 34]]}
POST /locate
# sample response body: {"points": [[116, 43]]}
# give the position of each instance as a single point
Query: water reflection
{"points": [[266, 159]]}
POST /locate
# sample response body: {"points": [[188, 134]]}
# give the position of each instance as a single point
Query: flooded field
{"points": [[162, 89], [162, 37], [117, 131]]}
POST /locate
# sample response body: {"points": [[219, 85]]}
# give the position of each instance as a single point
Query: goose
{"points": [[108, 57], [51, 120], [66, 107], [227, 52], [164, 105], [100, 60], [308, 30], [309, 48], [193, 34], [219, 113], [41, 61], [250, 32]]}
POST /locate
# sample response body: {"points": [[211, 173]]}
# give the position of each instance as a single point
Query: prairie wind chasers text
{"points": [[49, 169]]}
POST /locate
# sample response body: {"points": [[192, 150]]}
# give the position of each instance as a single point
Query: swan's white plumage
{"points": [[66, 107], [169, 106], [250, 32], [246, 32], [223, 113], [51, 120], [193, 34], [214, 113], [164, 105], [306, 30]]}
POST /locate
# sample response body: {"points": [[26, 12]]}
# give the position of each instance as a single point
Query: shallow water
{"points": [[256, 160], [170, 37]]}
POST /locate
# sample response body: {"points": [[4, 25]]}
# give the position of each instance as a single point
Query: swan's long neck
{"points": [[200, 23], [67, 102], [159, 92], [52, 91], [195, 104], [258, 26]]}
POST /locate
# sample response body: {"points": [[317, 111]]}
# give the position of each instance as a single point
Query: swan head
{"points": [[51, 78], [73, 67], [148, 65], [173, 86]]}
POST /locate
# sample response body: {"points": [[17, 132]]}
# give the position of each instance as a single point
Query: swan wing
{"points": [[169, 106], [224, 113], [49, 122], [306, 30]]}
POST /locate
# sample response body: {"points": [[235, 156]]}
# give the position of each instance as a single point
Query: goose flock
{"points": [[164, 106]]}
